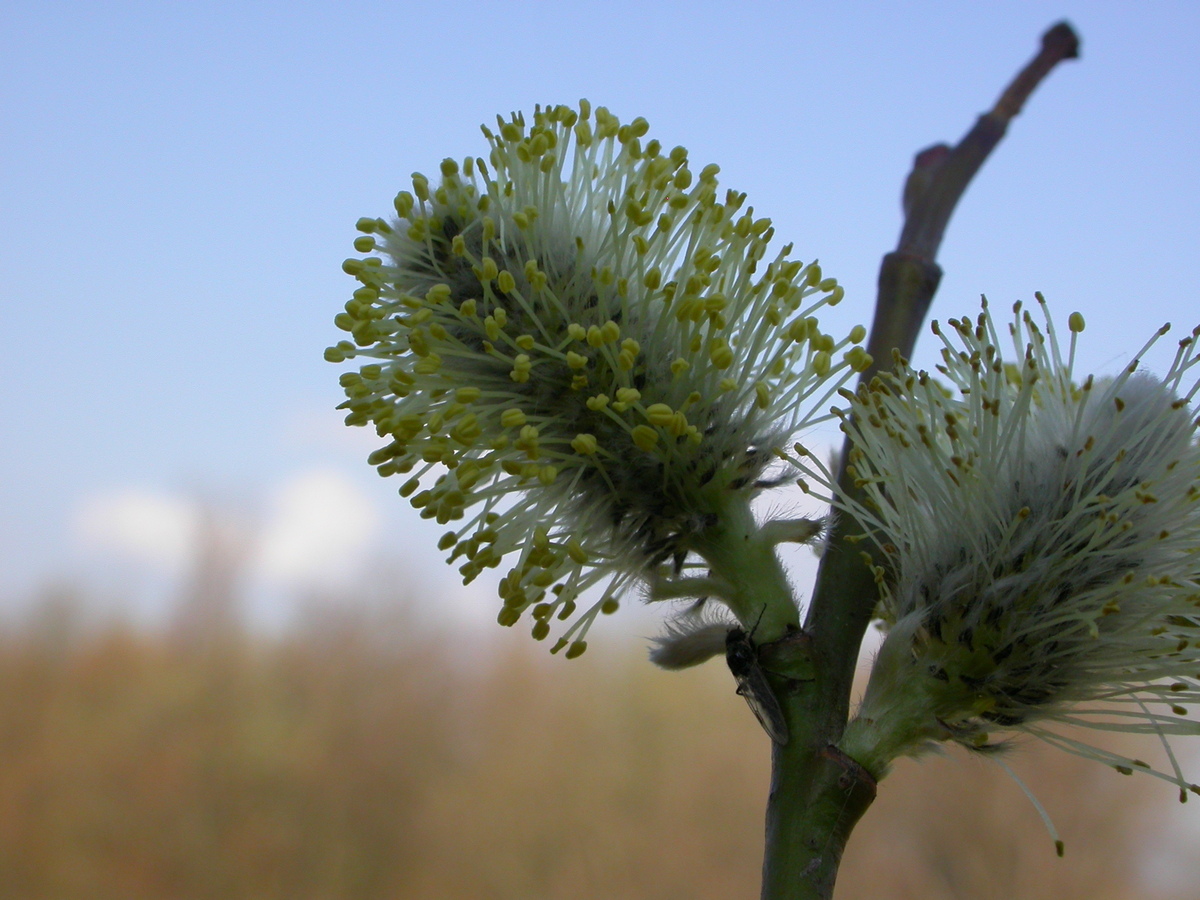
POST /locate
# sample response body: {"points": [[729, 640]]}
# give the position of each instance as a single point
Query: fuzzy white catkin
{"points": [[1040, 540]]}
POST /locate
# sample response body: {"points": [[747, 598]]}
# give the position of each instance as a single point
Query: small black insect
{"points": [[741, 655]]}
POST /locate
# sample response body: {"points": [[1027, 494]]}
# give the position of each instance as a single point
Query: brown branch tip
{"points": [[1059, 43]]}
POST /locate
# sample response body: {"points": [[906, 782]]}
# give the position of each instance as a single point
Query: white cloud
{"points": [[140, 524], [321, 526]]}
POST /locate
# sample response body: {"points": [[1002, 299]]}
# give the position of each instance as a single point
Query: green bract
{"points": [[580, 356]]}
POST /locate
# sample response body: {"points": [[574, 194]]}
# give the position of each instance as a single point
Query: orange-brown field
{"points": [[353, 759]]}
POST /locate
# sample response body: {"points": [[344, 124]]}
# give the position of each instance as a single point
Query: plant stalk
{"points": [[818, 793]]}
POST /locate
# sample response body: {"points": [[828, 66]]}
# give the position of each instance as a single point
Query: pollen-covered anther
{"points": [[585, 444], [659, 414], [627, 358], [720, 354], [645, 438], [512, 418], [528, 441], [626, 398]]}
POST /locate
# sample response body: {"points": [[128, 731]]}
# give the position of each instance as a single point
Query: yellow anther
{"points": [[720, 355], [644, 437], [525, 341], [585, 444], [628, 395], [522, 366], [439, 293], [762, 395], [576, 361], [468, 475], [576, 332], [597, 403], [627, 358], [859, 359], [467, 429], [512, 418], [659, 414], [429, 365], [403, 203]]}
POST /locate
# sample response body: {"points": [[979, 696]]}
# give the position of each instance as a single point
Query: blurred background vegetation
{"points": [[358, 755]]}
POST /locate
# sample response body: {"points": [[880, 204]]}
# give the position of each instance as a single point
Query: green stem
{"points": [[818, 793], [816, 799], [741, 554]]}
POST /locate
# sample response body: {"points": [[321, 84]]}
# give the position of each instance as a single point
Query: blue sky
{"points": [[179, 184]]}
